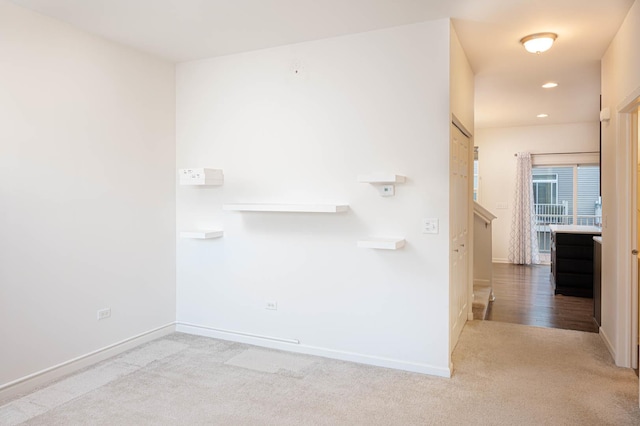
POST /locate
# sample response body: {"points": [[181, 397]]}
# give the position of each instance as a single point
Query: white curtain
{"points": [[523, 247]]}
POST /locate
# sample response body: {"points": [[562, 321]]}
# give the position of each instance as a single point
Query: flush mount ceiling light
{"points": [[542, 115], [550, 85], [538, 43]]}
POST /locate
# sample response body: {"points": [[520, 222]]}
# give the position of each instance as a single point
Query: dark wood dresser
{"points": [[597, 280], [572, 259]]}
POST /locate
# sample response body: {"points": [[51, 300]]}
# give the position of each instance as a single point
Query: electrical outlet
{"points": [[430, 226], [104, 313], [271, 305]]}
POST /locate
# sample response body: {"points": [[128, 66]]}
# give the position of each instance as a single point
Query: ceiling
{"points": [[508, 79]]}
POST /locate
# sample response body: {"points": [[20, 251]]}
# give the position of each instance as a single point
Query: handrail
{"points": [[483, 213]]}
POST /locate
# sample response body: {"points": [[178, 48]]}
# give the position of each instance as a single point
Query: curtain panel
{"points": [[523, 247]]}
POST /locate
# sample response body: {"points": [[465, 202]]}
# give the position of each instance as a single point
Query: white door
{"points": [[628, 294], [635, 232], [459, 233]]}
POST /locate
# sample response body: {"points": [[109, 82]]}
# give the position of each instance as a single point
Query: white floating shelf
{"points": [[381, 178], [201, 177], [382, 243], [287, 208], [201, 235], [385, 182]]}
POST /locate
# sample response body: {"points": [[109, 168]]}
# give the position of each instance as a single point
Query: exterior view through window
{"points": [[565, 195], [476, 175]]}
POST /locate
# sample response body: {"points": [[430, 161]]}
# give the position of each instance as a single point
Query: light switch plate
{"points": [[430, 226]]}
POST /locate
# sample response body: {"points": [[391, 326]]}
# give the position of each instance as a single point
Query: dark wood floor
{"points": [[524, 295]]}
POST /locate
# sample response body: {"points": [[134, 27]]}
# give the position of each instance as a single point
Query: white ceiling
{"points": [[508, 79]]}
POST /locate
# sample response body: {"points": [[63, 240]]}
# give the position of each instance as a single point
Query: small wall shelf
{"points": [[201, 177], [287, 208], [385, 182], [381, 178], [201, 235], [382, 243]]}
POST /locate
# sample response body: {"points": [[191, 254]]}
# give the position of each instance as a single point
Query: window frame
{"points": [[554, 187]]}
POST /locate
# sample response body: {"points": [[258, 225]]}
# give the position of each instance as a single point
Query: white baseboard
{"points": [[607, 343], [32, 381], [291, 346], [498, 260]]}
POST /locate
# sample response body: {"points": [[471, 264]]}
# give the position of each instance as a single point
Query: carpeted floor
{"points": [[505, 374]]}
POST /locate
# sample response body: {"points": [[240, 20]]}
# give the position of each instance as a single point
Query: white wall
{"points": [[87, 187], [297, 124], [497, 165], [620, 78], [462, 84]]}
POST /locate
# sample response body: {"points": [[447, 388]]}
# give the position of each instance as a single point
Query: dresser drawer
{"points": [[574, 252], [568, 279], [575, 266], [575, 239]]}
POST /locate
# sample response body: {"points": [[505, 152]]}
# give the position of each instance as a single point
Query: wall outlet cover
{"points": [[271, 305]]}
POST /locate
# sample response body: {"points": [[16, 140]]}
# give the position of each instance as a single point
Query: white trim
{"points": [[282, 344], [633, 273], [607, 343], [499, 260], [181, 324], [626, 296], [628, 102], [28, 383], [623, 314], [565, 159]]}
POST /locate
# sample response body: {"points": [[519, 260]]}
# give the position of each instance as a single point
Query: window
{"points": [[565, 195], [476, 175], [588, 201], [545, 189]]}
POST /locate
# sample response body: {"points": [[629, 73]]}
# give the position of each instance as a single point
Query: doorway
{"points": [[627, 295], [566, 193], [632, 124], [461, 191], [524, 295]]}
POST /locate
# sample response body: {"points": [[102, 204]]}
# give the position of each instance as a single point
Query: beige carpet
{"points": [[505, 374]]}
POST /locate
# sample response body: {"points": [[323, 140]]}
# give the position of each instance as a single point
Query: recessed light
{"points": [[542, 115], [550, 85]]}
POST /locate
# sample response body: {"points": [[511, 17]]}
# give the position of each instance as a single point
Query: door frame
{"points": [[627, 264], [457, 123]]}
